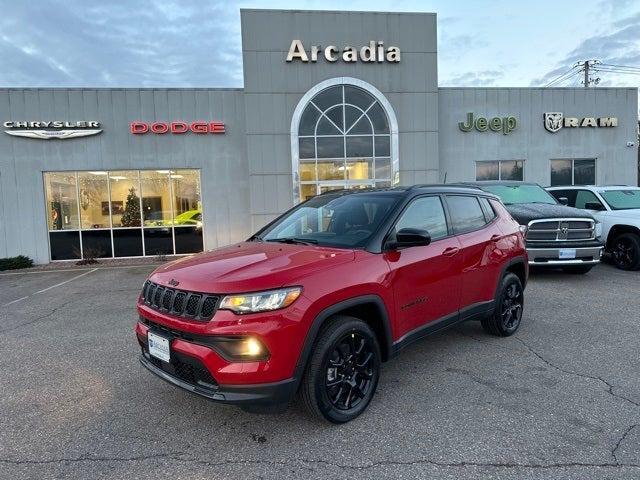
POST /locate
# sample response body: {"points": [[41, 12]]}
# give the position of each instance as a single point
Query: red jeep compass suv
{"points": [[317, 299]]}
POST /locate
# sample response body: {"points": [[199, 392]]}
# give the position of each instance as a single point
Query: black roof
{"points": [[508, 183], [403, 190]]}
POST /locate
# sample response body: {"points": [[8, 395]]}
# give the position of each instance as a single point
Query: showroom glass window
{"points": [[124, 213], [344, 141], [573, 172], [500, 170]]}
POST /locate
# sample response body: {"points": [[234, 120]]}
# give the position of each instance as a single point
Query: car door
{"points": [[425, 279], [475, 225]]}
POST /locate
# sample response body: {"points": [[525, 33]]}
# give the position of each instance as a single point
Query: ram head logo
{"points": [[553, 121]]}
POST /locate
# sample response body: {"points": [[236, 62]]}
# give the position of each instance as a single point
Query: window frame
{"points": [[477, 198], [79, 231], [500, 162], [378, 101], [411, 202], [573, 170]]}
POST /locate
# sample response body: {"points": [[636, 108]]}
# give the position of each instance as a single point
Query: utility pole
{"points": [[586, 65], [586, 74]]}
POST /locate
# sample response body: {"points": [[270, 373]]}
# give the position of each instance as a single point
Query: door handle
{"points": [[495, 237], [450, 251]]}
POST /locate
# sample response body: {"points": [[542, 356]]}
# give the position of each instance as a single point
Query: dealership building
{"points": [[331, 100]]}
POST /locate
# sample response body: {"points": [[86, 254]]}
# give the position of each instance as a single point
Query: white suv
{"points": [[617, 207]]}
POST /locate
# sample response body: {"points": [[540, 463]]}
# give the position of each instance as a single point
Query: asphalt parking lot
{"points": [[561, 399]]}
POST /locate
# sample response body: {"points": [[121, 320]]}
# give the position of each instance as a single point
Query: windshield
{"points": [[622, 199], [514, 194], [346, 221]]}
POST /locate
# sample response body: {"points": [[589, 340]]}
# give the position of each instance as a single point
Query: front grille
{"points": [[560, 230], [190, 305], [187, 369]]}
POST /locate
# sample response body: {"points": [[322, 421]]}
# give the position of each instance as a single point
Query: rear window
{"points": [[466, 213]]}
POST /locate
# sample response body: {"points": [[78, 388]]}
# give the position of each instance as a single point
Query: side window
{"points": [[488, 209], [585, 196], [466, 213], [570, 195], [425, 213]]}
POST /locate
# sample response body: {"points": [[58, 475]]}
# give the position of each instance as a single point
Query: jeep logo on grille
{"points": [[173, 282]]}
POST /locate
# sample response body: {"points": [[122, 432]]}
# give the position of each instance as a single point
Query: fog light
{"points": [[245, 349]]}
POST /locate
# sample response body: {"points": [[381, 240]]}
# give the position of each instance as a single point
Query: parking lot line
{"points": [[51, 287], [81, 269]]}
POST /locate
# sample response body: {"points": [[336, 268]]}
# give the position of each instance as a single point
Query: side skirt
{"points": [[473, 312]]}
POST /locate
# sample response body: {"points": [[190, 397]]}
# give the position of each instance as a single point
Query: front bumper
{"points": [[277, 393], [550, 257]]}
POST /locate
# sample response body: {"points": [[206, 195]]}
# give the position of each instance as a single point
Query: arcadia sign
{"points": [[373, 52]]}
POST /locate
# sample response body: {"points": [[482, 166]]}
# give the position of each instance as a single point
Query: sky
{"points": [[186, 43]]}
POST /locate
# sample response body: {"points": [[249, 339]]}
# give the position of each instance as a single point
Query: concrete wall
{"points": [[273, 88], [221, 158], [615, 162]]}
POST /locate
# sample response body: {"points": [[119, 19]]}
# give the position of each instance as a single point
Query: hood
{"points": [[631, 215], [249, 266], [523, 213]]}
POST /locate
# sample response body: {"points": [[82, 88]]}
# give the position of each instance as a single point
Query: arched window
{"points": [[343, 136]]}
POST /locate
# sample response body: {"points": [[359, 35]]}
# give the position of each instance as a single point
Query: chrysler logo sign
{"points": [[554, 121], [52, 129]]}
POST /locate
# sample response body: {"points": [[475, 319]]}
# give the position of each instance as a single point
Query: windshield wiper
{"points": [[294, 240]]}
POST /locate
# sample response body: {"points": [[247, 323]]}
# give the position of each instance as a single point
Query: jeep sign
{"points": [[496, 124]]}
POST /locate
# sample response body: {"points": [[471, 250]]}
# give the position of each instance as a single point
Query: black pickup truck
{"points": [[556, 235]]}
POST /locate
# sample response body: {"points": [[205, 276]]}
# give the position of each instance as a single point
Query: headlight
{"points": [[261, 301], [598, 229], [523, 230]]}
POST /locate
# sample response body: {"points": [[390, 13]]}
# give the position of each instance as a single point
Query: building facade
{"points": [[330, 100]]}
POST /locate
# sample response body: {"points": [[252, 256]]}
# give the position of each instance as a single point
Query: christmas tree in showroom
{"points": [[131, 214]]}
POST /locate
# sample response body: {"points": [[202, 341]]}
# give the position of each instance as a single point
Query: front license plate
{"points": [[158, 347], [566, 253]]}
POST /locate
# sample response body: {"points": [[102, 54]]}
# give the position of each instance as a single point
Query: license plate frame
{"points": [[159, 346], [567, 254]]}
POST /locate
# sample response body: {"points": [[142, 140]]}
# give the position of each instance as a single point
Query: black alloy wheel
{"points": [[625, 251], [509, 304], [511, 308], [349, 371], [343, 371]]}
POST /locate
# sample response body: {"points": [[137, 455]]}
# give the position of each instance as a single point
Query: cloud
{"points": [[483, 78], [620, 46], [76, 43]]}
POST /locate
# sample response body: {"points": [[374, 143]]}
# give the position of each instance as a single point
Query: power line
{"points": [[622, 67], [562, 77]]}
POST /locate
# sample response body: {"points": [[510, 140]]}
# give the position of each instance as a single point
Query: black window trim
{"points": [[477, 197], [404, 208]]}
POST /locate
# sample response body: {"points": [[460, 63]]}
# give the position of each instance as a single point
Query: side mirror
{"points": [[409, 237], [594, 206], [563, 201]]}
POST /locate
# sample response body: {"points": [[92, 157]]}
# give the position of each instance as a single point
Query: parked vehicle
{"points": [[618, 209], [556, 235], [317, 299]]}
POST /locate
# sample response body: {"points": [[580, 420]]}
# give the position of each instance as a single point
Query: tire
{"points": [[507, 314], [342, 373], [577, 269], [625, 251]]}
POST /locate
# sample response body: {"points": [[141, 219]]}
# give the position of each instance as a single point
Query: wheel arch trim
{"points": [[324, 315]]}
